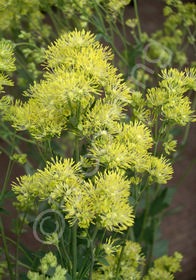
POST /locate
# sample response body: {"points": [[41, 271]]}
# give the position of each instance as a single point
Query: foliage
{"points": [[98, 205]]}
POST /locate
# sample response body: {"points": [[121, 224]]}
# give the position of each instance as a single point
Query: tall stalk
{"points": [[6, 250], [121, 254], [74, 228]]}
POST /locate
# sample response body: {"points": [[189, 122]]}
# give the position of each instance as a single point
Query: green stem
{"points": [[132, 235], [191, 36], [22, 63], [74, 228], [138, 20], [25, 139], [121, 254], [64, 253], [100, 17], [124, 35], [21, 249], [21, 264], [77, 152], [6, 250], [105, 33], [40, 152], [25, 44], [119, 54], [149, 260], [17, 244], [74, 251], [139, 32], [4, 151], [145, 214], [141, 193], [53, 19], [156, 133], [92, 246], [8, 173], [84, 268]]}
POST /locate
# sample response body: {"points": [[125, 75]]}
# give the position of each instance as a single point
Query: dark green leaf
{"points": [[10, 194], [160, 248], [160, 203], [68, 277], [103, 261], [2, 210]]}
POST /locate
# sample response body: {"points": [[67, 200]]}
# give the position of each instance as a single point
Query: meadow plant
{"points": [[97, 206]]}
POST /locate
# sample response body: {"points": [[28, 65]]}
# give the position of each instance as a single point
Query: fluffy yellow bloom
{"points": [[165, 267], [115, 6], [117, 90], [79, 49], [105, 202], [112, 191], [41, 121], [4, 81], [6, 56], [78, 72], [109, 246], [44, 183], [160, 169], [135, 134], [104, 116], [170, 145], [130, 261], [127, 149], [47, 262], [156, 97], [172, 87], [180, 114], [7, 63]]}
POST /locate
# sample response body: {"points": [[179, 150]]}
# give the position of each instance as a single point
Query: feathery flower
{"points": [[130, 262], [160, 170], [104, 116], [112, 191], [105, 202], [128, 148], [47, 262], [169, 99], [78, 72], [6, 56]]}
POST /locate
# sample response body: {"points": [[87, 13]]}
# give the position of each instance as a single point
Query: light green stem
{"points": [[145, 214], [74, 228], [6, 250], [17, 245], [138, 20], [92, 246], [9, 170], [121, 254], [74, 251], [21, 249]]}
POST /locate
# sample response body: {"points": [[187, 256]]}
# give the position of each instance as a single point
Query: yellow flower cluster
{"points": [[12, 13], [129, 148], [168, 44], [133, 262], [165, 267], [47, 262], [7, 61], [115, 6], [104, 202], [78, 71], [132, 259], [168, 97]]}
